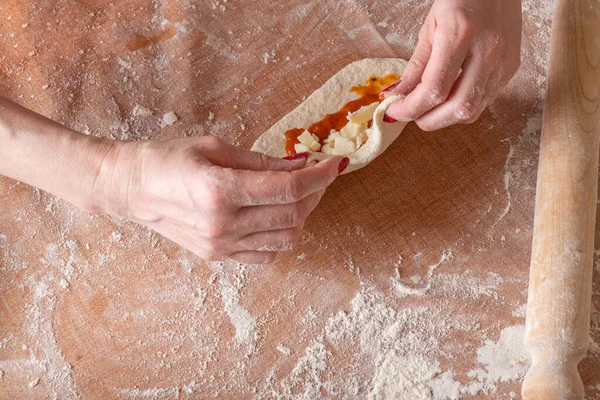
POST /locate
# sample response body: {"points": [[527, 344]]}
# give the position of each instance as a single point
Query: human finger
{"points": [[207, 248], [254, 257], [279, 216], [226, 155], [466, 101], [413, 72], [279, 240], [252, 188], [447, 56]]}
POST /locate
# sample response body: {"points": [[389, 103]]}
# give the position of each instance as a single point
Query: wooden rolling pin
{"points": [[560, 283]]}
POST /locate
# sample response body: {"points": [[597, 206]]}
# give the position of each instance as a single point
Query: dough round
{"points": [[329, 98]]}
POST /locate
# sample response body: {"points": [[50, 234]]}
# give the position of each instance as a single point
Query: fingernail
{"points": [[387, 89], [343, 165], [387, 118], [392, 86], [297, 156]]}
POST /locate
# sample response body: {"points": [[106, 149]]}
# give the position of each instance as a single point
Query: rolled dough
{"points": [[331, 97]]}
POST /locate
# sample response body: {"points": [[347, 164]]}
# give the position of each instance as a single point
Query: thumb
{"points": [[229, 156], [414, 68]]}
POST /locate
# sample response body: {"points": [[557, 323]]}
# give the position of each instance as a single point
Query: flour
{"points": [[502, 361], [402, 356], [466, 285], [154, 393], [404, 349], [168, 119], [423, 335], [244, 323], [305, 380], [33, 383], [116, 236], [395, 38], [402, 377], [403, 290], [284, 350], [519, 312], [520, 158], [140, 111], [55, 371], [186, 264], [445, 387], [536, 43]]}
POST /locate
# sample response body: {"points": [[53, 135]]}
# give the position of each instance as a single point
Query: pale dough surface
{"points": [[331, 97]]}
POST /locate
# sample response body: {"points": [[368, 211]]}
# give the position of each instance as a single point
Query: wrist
{"points": [[111, 189], [51, 157], [75, 168]]}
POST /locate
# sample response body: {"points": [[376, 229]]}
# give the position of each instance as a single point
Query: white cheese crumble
{"points": [[346, 141]]}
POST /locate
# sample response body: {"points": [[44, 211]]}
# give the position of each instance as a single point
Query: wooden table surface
{"points": [[411, 276]]}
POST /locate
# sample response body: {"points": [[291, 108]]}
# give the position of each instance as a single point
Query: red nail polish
{"points": [[387, 89], [387, 118], [343, 165], [297, 156], [392, 86]]}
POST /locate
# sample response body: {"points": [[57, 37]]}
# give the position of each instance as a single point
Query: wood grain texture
{"points": [[96, 308], [558, 309]]}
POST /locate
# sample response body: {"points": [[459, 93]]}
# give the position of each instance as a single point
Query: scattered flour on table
{"points": [[403, 290], [284, 350], [168, 119], [241, 319], [402, 363], [404, 347], [48, 366], [536, 43], [399, 343], [140, 111], [503, 361], [520, 159], [519, 312]]}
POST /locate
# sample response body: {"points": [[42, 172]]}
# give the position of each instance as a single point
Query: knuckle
{"points": [[426, 126], [416, 65], [210, 257], [211, 141], [427, 28], [213, 249], [268, 258], [264, 161], [199, 225], [493, 44], [471, 120], [216, 230], [295, 216], [436, 94], [207, 190], [464, 24], [289, 239], [465, 111], [294, 190], [210, 228], [215, 198]]}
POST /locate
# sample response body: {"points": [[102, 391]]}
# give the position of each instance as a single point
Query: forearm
{"points": [[54, 158]]}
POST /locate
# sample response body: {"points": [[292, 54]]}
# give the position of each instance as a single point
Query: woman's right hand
{"points": [[215, 199]]}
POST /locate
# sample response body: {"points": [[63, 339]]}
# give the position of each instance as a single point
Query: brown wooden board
{"points": [[103, 308]]}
